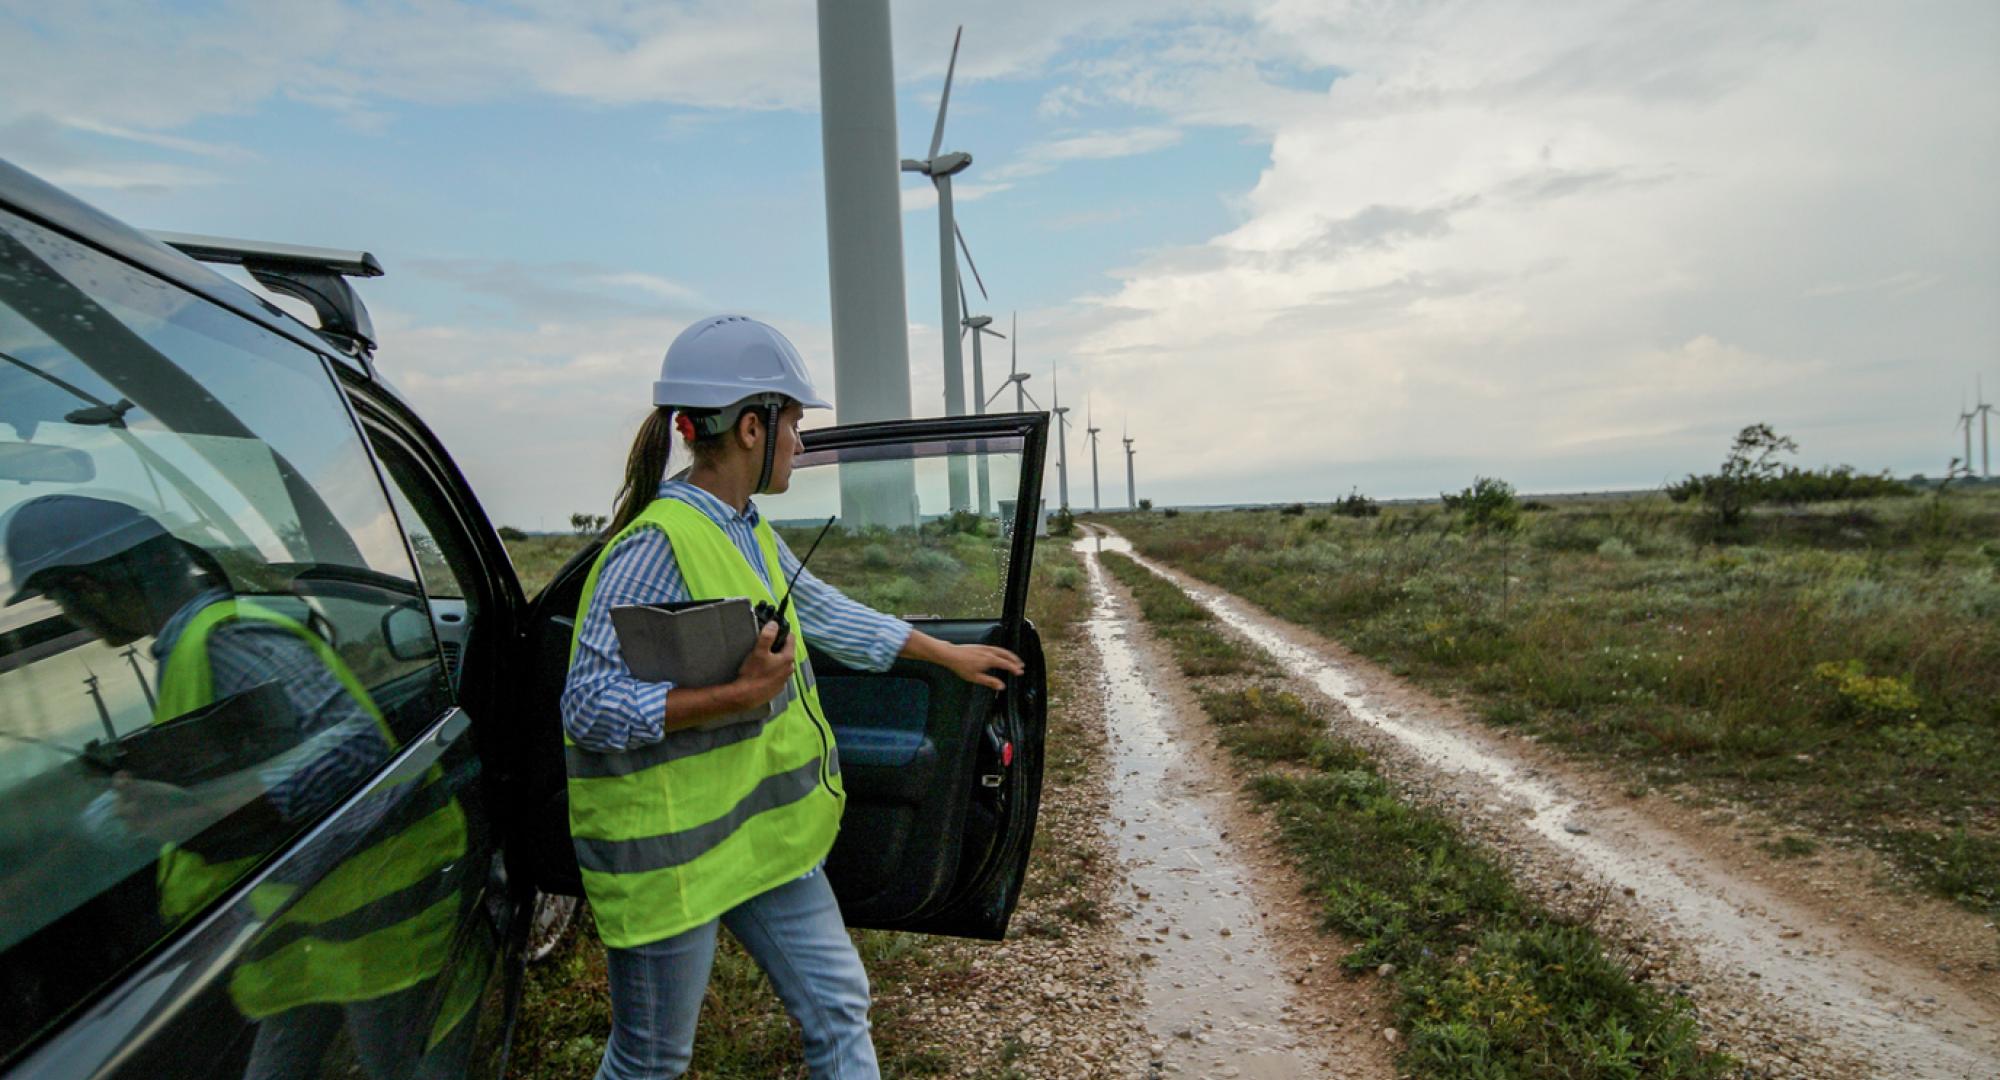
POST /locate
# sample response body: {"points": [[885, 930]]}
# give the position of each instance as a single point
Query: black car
{"points": [[280, 754]]}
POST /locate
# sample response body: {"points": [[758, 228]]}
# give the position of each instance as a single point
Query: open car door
{"points": [[943, 778]]}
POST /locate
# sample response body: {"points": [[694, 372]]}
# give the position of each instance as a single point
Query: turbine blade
{"points": [[1031, 397], [964, 309], [990, 332], [966, 250], [1014, 346], [1001, 389], [937, 133]]}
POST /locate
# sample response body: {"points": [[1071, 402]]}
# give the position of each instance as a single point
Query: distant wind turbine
{"points": [[1062, 445], [941, 168], [1014, 373], [978, 326], [1984, 409], [1965, 421], [1131, 488], [1090, 428]]}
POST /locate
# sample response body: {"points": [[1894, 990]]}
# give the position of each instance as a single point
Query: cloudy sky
{"points": [[1298, 247]]}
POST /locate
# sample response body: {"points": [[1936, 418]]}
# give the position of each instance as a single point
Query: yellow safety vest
{"points": [[375, 923], [672, 834]]}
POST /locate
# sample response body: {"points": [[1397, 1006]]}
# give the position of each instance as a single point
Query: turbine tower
{"points": [[1965, 421], [941, 168], [978, 326], [1131, 489], [1062, 445], [864, 244], [1090, 428], [1984, 409]]}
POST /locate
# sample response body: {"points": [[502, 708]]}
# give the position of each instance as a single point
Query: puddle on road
{"points": [[1214, 995], [1725, 921]]}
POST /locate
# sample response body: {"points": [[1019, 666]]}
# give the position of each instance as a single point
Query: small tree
{"points": [[588, 524], [1145, 504], [1487, 505], [1751, 464], [1357, 505]]}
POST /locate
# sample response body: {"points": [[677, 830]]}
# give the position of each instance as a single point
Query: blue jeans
{"points": [[795, 934]]}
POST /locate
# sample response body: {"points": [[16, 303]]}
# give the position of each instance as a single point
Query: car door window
{"points": [[923, 529], [212, 632]]}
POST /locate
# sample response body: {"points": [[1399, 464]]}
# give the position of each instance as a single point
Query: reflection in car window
{"points": [[945, 556], [437, 563], [211, 631]]}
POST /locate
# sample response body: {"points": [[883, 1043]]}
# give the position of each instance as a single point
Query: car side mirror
{"points": [[407, 630], [30, 462]]}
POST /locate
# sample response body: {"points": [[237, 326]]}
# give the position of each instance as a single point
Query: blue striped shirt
{"points": [[606, 708], [340, 742]]}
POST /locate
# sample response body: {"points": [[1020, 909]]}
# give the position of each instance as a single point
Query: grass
{"points": [[744, 1032], [1837, 665], [1187, 627], [1487, 985]]}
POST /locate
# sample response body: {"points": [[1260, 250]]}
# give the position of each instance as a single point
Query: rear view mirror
{"points": [[28, 462], [409, 634]]}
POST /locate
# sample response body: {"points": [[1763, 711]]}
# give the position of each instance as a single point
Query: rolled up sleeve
{"points": [[847, 630]]}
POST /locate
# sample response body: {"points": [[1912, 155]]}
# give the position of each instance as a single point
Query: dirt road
{"points": [[1794, 975], [1232, 983]]}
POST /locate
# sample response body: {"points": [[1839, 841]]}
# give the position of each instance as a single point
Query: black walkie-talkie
{"points": [[766, 613]]}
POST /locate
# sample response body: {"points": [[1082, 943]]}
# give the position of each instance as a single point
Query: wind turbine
{"points": [[1062, 444], [1090, 428], [1965, 421], [1014, 373], [1131, 489], [978, 326], [1984, 409], [941, 168]]}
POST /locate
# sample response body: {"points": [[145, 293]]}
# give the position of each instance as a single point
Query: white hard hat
{"points": [[724, 359]]}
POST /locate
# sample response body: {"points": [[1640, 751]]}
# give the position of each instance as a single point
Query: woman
{"points": [[693, 806]]}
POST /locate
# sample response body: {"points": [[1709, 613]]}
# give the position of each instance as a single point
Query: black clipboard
{"points": [[234, 733]]}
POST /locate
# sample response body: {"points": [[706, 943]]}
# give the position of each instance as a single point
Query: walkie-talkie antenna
{"points": [[786, 600], [778, 613]]}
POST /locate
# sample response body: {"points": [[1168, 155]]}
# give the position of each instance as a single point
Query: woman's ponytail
{"points": [[645, 467]]}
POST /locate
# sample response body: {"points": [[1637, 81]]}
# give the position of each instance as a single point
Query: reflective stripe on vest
{"points": [[378, 921], [673, 834]]}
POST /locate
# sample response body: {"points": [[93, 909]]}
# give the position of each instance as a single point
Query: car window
{"points": [[921, 529], [210, 629]]}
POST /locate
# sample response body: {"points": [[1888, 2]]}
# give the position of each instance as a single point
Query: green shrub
{"points": [[1357, 505], [930, 562], [1487, 505], [1873, 696], [1614, 548]]}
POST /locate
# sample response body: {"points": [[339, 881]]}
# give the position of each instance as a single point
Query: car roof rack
{"points": [[315, 275]]}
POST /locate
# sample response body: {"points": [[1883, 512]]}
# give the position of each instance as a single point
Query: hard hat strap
{"points": [[771, 412]]}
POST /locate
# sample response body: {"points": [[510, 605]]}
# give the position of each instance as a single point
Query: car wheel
{"points": [[553, 921]]}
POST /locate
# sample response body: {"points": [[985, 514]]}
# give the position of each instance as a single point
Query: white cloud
{"points": [[1571, 243], [1573, 247]]}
